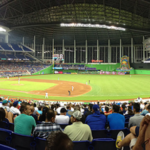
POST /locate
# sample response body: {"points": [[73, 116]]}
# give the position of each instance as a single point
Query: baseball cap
{"points": [[15, 103], [5, 102], [77, 114], [63, 110], [95, 107]]}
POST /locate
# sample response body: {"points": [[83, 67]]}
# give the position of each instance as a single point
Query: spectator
{"points": [[62, 118], [148, 108], [46, 127], [107, 111], [3, 115], [40, 110], [77, 108], [78, 131], [43, 116], [145, 111], [35, 110], [14, 109], [24, 123], [68, 109], [96, 121], [32, 113], [89, 112], [137, 137], [124, 108], [58, 108], [64, 141], [5, 105], [116, 121], [137, 118]]}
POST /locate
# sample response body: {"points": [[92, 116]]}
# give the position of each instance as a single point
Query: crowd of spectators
{"points": [[44, 120], [22, 68]]}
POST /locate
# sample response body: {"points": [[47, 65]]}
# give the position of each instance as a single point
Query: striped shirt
{"points": [[45, 128]]}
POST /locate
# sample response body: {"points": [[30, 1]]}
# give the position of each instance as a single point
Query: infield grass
{"points": [[104, 87]]}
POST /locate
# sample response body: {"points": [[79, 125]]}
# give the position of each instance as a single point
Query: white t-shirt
{"points": [[72, 109], [35, 110], [58, 110], [61, 119], [6, 107], [14, 110], [46, 94]]}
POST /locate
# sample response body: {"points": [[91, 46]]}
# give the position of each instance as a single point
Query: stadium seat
{"points": [[63, 125], [4, 147], [23, 142], [4, 125], [11, 126], [104, 144], [113, 133], [99, 134], [40, 144], [5, 136], [81, 145]]}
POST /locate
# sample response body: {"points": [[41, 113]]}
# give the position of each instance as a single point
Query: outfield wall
{"points": [[137, 71], [104, 67], [48, 70]]}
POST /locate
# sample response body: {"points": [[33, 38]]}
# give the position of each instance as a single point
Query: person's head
{"points": [[90, 107], [1, 99], [76, 116], [50, 115], [77, 107], [64, 141], [15, 104], [2, 114], [95, 108], [107, 109], [34, 105], [148, 108], [68, 107], [115, 108], [63, 111], [136, 107], [32, 109], [25, 109], [40, 108], [44, 111], [5, 102], [123, 105]]}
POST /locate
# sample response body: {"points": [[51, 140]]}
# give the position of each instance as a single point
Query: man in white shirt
{"points": [[62, 118], [72, 88], [138, 100], [14, 109]]}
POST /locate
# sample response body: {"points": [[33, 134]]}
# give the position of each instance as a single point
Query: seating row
{"points": [[22, 142]]}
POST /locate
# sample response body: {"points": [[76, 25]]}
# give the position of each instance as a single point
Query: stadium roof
{"points": [[43, 17]]}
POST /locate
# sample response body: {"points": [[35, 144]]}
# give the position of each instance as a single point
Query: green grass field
{"points": [[104, 87]]}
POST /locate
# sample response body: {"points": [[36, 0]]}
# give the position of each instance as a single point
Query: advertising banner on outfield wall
{"points": [[58, 72], [112, 73]]}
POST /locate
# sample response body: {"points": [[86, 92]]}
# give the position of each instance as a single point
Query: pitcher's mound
{"points": [[18, 84]]}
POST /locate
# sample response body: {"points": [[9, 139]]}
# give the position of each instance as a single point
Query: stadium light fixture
{"points": [[91, 26], [2, 29]]}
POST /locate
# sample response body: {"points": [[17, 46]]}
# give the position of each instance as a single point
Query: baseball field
{"points": [[101, 87]]}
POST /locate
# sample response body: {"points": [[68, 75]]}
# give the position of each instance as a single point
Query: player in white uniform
{"points": [[7, 77], [72, 88], [46, 95]]}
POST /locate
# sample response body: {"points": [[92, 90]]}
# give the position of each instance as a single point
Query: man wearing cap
{"points": [[5, 105], [62, 118], [96, 121], [14, 109], [78, 131]]}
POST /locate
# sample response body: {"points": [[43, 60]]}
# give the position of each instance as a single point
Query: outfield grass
{"points": [[104, 87]]}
